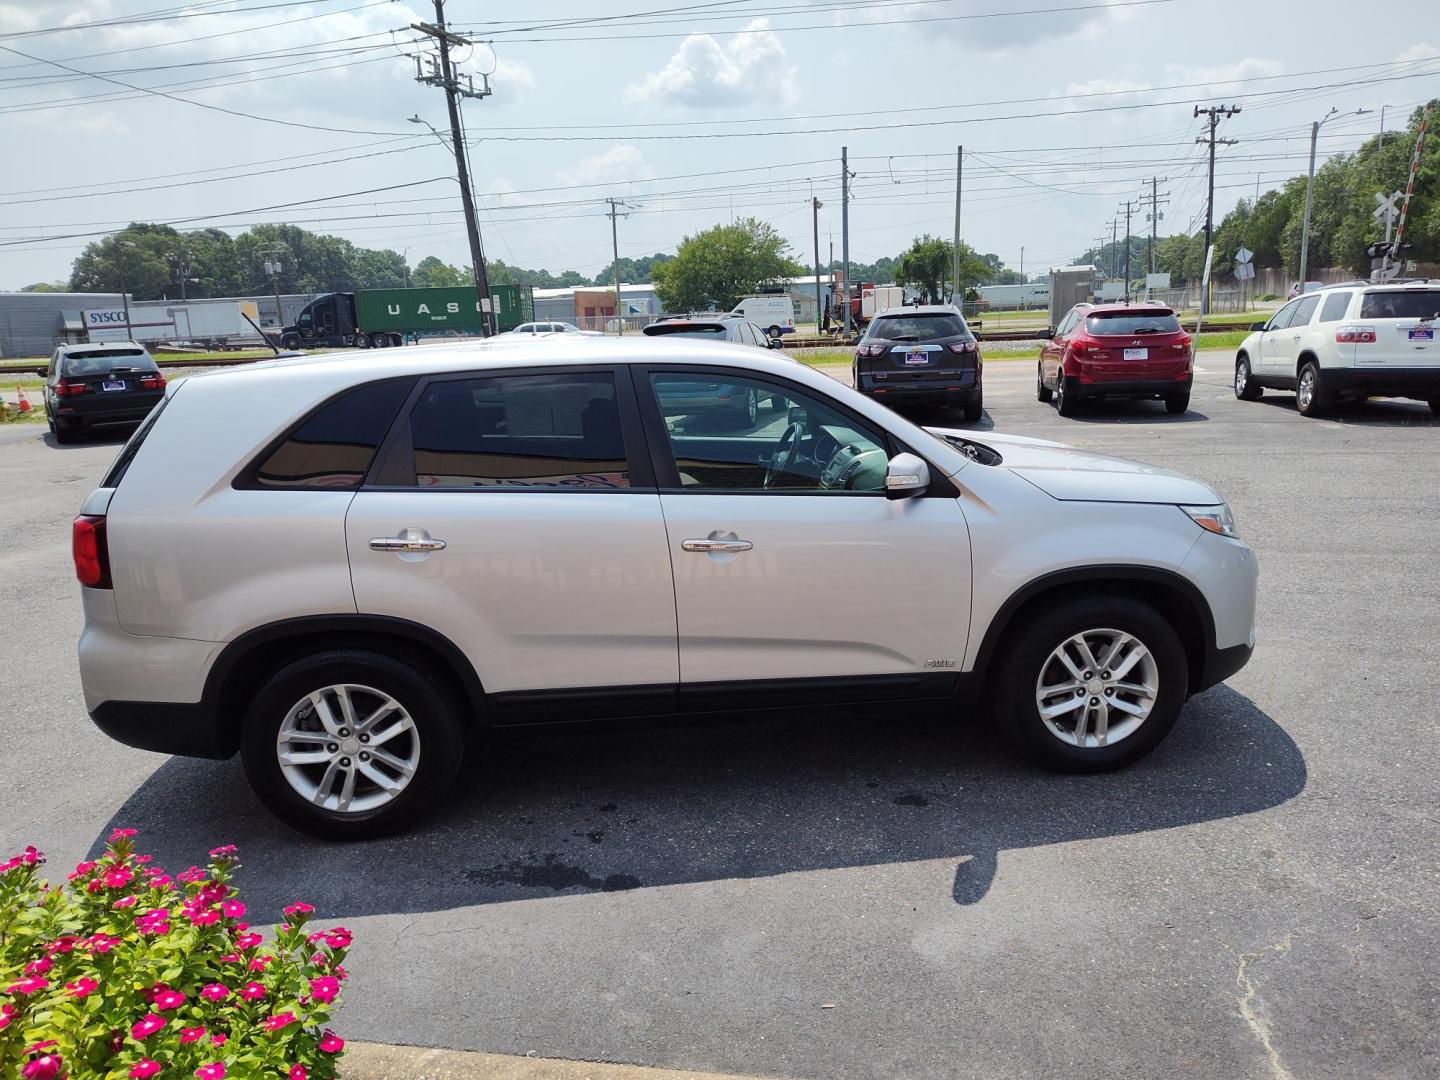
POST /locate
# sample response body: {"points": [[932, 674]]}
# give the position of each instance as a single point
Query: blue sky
{"points": [[703, 112]]}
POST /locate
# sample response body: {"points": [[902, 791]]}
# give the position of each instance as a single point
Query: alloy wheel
{"points": [[1305, 392], [348, 748], [1097, 687], [1242, 377]]}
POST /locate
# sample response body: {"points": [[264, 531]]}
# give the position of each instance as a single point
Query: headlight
{"points": [[1216, 519]]}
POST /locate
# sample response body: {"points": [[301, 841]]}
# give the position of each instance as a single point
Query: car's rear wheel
{"points": [[1246, 388], [350, 744], [1042, 392], [1177, 404], [1435, 405], [1311, 397], [1092, 683], [379, 341], [1065, 404], [973, 410], [63, 435], [774, 332]]}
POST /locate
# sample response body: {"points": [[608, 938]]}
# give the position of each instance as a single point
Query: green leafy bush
{"points": [[129, 972]]}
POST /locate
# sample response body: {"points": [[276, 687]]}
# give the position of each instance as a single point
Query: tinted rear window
{"points": [[919, 327], [1126, 323], [1335, 305], [102, 363], [697, 330], [334, 446], [1416, 304]]}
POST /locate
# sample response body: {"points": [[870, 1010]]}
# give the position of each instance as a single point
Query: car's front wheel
{"points": [[1042, 392], [1246, 388], [1092, 683], [350, 744]]}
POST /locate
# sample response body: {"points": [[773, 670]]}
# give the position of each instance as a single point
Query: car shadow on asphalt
{"points": [[1373, 412], [1133, 412], [108, 437], [554, 813]]}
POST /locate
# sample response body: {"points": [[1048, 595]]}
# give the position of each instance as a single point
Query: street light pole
{"points": [[1310, 189], [124, 287]]}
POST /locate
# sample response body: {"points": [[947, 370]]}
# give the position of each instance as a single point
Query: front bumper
{"points": [[1227, 574], [1126, 388], [1422, 383]]}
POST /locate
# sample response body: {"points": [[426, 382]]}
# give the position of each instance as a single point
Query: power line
{"points": [[167, 15]]}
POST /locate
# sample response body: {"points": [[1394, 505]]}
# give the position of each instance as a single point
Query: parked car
{"points": [[1300, 288], [775, 312], [921, 355], [1346, 343], [553, 326], [713, 328], [106, 384], [720, 402], [367, 561], [1116, 351]]}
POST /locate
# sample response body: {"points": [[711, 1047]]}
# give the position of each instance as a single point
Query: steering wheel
{"points": [[784, 453]]}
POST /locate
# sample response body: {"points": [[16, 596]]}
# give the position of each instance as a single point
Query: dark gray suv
{"points": [[920, 355], [100, 385]]}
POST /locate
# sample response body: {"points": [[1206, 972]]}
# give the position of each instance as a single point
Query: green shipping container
{"points": [[439, 311]]}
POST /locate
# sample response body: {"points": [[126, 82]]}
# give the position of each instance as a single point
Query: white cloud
{"points": [[512, 81], [1001, 31], [1222, 77], [705, 72], [619, 164], [1419, 51]]}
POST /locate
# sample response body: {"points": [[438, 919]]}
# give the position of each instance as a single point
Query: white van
{"points": [[774, 313]]}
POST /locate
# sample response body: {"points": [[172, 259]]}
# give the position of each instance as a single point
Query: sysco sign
{"points": [[115, 317]]}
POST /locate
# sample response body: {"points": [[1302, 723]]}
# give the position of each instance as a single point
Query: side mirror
{"points": [[774, 343], [1256, 326], [906, 476], [43, 372]]}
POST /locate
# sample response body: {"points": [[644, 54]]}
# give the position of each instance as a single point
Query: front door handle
{"points": [[409, 542], [713, 546]]}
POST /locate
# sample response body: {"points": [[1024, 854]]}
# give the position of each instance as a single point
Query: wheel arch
{"points": [[1176, 598], [245, 662], [1306, 356]]}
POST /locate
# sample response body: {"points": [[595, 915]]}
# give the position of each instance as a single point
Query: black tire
{"points": [[396, 341], [434, 709], [1435, 405], [1177, 404], [1027, 654], [1317, 401], [1246, 388], [1065, 404], [973, 410], [1042, 392], [379, 341], [774, 332], [290, 342], [65, 435]]}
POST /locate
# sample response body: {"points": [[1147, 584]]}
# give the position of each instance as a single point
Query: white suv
{"points": [[1347, 342], [369, 556]]}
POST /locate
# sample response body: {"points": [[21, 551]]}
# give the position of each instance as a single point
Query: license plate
{"points": [[1422, 333], [113, 384], [1137, 354], [917, 357]]}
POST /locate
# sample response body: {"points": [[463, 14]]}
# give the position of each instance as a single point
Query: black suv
{"points": [[924, 355], [99, 385]]}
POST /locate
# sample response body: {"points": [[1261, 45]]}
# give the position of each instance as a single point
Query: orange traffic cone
{"points": [[25, 405]]}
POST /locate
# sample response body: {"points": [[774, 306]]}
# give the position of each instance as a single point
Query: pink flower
{"points": [[143, 1068], [160, 880], [142, 1029], [117, 877], [82, 987], [325, 988], [189, 1035], [214, 991], [126, 901], [280, 1020], [297, 1072], [192, 875], [62, 944], [299, 908], [168, 999], [38, 967], [7, 1013], [214, 1071], [232, 909], [103, 943], [252, 991], [339, 938], [32, 985], [218, 1039], [204, 918], [143, 858], [43, 1044], [122, 834], [44, 1067], [258, 964], [230, 958], [156, 921], [331, 1043], [81, 869], [248, 941], [228, 851]]}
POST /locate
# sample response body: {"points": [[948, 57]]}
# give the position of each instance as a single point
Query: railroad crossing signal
{"points": [[1387, 208]]}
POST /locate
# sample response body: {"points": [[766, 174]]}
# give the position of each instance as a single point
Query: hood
{"points": [[1073, 475]]}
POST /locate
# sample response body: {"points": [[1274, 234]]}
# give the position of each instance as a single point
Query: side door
{"points": [[790, 562], [1273, 341], [1053, 351], [515, 513]]}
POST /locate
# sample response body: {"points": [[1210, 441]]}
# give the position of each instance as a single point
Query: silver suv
{"points": [[371, 556]]}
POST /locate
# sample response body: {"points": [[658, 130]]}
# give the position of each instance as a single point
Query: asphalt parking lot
{"points": [[888, 893]]}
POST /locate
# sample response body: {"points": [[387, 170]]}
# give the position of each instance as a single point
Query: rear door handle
{"points": [[713, 546], [409, 542]]}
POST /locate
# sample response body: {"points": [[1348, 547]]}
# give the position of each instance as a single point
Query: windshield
{"points": [[926, 327], [1411, 304], [101, 363], [695, 330], [1125, 323]]}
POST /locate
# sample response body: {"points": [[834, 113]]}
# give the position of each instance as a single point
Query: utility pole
{"points": [[1310, 189], [845, 230], [1022, 264], [444, 76], [956, 298], [1114, 242], [273, 267], [1156, 200], [1381, 144], [815, 205], [1215, 113], [612, 214], [180, 261], [1127, 250], [124, 289]]}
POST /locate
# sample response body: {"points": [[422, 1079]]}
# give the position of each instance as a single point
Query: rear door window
{"points": [[1305, 311], [514, 432], [1281, 318], [1335, 305], [334, 446], [1409, 304]]}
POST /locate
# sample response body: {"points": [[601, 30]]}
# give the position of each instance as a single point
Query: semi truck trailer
{"points": [[381, 318]]}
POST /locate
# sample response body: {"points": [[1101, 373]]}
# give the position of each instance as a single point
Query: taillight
{"points": [[1355, 335], [1183, 345], [91, 553], [152, 382], [870, 350], [963, 346], [66, 388]]}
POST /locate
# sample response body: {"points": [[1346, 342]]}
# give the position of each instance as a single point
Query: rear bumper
{"points": [[960, 386], [1127, 388], [98, 411], [163, 726], [1416, 382]]}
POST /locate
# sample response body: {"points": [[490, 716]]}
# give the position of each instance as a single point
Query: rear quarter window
{"points": [[333, 446], [1410, 304], [1335, 305]]}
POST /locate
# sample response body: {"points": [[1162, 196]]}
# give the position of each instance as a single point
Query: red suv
{"points": [[1115, 351]]}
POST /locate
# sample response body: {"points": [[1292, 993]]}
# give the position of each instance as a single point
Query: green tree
{"points": [[432, 273], [927, 266], [720, 265]]}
